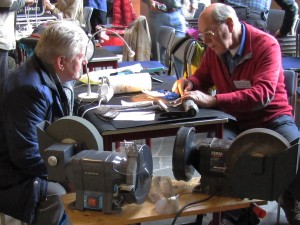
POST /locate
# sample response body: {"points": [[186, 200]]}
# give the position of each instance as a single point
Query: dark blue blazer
{"points": [[29, 96]]}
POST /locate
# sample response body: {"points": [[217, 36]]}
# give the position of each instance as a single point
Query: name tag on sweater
{"points": [[242, 84]]}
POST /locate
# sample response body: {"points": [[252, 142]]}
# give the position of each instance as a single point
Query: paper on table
{"points": [[136, 116], [136, 68], [137, 104], [95, 75], [130, 83]]}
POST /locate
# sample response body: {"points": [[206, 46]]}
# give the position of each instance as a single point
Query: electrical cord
{"points": [[79, 101], [95, 107], [191, 204]]}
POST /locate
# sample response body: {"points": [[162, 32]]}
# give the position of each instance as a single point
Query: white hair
{"points": [[61, 38], [221, 12]]}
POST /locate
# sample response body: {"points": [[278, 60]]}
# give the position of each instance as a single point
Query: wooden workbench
{"points": [[145, 212]]}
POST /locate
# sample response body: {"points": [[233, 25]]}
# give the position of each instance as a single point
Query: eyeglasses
{"points": [[208, 34]]}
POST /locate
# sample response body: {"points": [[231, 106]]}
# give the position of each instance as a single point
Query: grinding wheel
{"points": [[71, 128], [184, 143], [144, 173], [256, 141]]}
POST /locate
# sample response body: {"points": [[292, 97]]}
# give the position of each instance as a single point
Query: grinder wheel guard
{"points": [[255, 142], [259, 163], [78, 130]]}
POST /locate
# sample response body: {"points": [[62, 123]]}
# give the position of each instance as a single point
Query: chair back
{"points": [[290, 81], [275, 20], [164, 39], [201, 6], [288, 43], [297, 34], [181, 55]]}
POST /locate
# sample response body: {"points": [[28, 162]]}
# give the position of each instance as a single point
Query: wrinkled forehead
{"points": [[206, 21]]}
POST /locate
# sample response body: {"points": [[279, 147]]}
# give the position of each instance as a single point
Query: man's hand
{"points": [[182, 85], [201, 99]]}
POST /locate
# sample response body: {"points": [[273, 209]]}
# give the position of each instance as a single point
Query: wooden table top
{"points": [[145, 212]]}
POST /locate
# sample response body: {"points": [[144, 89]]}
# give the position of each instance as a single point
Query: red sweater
{"points": [[265, 99]]}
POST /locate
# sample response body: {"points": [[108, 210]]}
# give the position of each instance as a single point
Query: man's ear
{"points": [[59, 63], [230, 24]]}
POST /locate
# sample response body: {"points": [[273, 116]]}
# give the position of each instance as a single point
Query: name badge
{"points": [[242, 84]]}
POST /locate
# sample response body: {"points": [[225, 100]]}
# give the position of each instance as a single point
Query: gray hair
{"points": [[61, 38], [221, 12]]}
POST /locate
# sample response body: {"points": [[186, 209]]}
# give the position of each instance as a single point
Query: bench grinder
{"points": [[258, 164], [103, 180]]}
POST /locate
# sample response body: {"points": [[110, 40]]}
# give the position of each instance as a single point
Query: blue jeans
{"points": [[3, 64], [52, 211], [284, 125]]}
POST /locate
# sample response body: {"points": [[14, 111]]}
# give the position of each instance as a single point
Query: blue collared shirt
{"points": [[233, 61]]}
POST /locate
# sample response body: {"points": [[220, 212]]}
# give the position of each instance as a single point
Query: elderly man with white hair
{"points": [[31, 94]]}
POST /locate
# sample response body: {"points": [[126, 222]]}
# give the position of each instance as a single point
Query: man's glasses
{"points": [[208, 34]]}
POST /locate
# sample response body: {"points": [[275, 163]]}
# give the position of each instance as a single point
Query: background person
{"points": [[255, 12], [99, 14], [8, 31], [189, 8], [31, 94], [164, 13], [244, 64], [66, 9]]}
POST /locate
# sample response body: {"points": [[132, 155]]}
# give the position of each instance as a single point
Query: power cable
{"points": [[191, 204]]}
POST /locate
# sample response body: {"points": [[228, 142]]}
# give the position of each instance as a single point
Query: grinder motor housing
{"points": [[258, 164], [103, 180]]}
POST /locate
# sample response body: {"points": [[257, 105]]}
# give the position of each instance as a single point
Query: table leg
{"points": [[115, 64], [219, 130], [148, 142], [107, 143], [198, 221], [216, 220]]}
